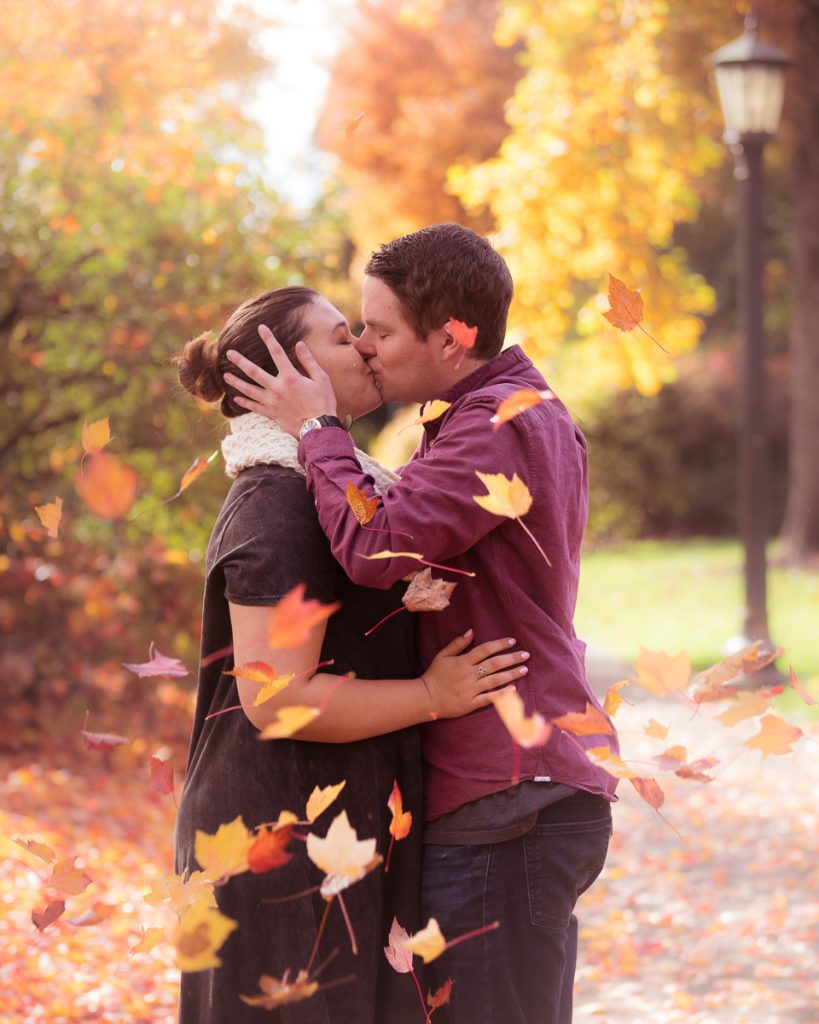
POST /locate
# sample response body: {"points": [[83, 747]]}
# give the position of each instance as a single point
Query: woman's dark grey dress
{"points": [[265, 541]]}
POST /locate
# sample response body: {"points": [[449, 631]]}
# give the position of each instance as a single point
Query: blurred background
{"points": [[163, 160]]}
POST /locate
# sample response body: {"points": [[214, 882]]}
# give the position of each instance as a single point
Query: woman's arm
{"points": [[359, 708]]}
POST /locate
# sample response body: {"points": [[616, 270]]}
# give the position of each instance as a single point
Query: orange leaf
{"points": [[465, 336], [750, 659], [527, 732], [745, 705], [195, 470], [626, 305], [517, 403], [656, 729], [441, 996], [41, 850], [401, 819], [43, 918], [161, 774], [289, 720], [349, 131], [269, 850], [363, 507], [67, 878], [590, 722], [430, 411], [775, 736], [424, 594], [650, 791], [50, 515], [278, 993], [95, 436], [610, 762], [662, 673], [800, 689], [293, 617], [107, 486]]}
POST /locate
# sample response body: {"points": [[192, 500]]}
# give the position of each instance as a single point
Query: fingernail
{"points": [[511, 641], [524, 655], [468, 632], [231, 354], [263, 329], [523, 670]]}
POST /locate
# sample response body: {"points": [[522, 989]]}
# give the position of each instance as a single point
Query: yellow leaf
{"points": [[506, 497], [289, 721], [40, 850], [341, 852], [775, 736], [656, 729], [744, 705], [590, 722], [364, 508], [150, 937], [430, 411], [395, 554], [527, 732], [225, 852], [429, 943], [201, 933], [613, 699], [181, 893], [611, 763], [95, 436], [50, 515], [278, 993], [320, 799], [67, 878], [662, 673]]}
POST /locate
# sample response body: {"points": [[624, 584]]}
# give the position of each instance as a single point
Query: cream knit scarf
{"points": [[254, 440]]}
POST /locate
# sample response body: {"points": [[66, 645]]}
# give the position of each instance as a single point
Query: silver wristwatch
{"points": [[318, 422]]}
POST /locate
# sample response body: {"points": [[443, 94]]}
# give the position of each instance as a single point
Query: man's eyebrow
{"points": [[375, 323]]}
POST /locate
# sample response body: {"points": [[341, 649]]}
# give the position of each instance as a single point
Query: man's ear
{"points": [[449, 349]]}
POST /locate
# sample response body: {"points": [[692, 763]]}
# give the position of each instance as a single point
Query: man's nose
{"points": [[364, 346]]}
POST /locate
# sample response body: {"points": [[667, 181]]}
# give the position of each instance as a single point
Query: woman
{"points": [[265, 542]]}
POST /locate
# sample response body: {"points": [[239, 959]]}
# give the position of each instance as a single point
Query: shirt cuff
{"points": [[325, 443]]}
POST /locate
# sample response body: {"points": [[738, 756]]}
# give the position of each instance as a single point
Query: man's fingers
{"points": [[245, 387], [262, 377], [280, 358]]}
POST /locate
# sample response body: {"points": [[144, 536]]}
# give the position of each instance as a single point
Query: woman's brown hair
{"points": [[202, 364]]}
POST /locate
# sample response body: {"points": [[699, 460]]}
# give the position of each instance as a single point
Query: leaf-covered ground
{"points": [[721, 925]]}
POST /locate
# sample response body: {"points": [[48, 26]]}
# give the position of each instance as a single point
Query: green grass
{"points": [[688, 595]]}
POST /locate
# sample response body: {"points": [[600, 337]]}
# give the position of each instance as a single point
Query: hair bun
{"points": [[198, 368]]}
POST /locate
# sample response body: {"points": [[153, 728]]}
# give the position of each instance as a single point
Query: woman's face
{"points": [[328, 337]]}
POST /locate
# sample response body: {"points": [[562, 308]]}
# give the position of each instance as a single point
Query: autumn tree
{"points": [[133, 218], [412, 91]]}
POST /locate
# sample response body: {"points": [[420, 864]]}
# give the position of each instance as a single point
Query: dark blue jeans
{"points": [[523, 972]]}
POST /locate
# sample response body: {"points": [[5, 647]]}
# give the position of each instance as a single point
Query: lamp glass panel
{"points": [[751, 96]]}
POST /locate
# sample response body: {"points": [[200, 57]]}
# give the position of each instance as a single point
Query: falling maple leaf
{"points": [[627, 309], [656, 729], [43, 918], [161, 775], [150, 938], [424, 594], [289, 720], [93, 915], [195, 470], [675, 759], [269, 849], [800, 689], [397, 954], [605, 758], [364, 508], [107, 486], [526, 732], [95, 436], [507, 497], [613, 699], [401, 821], [277, 993], [441, 996], [428, 943], [430, 411], [517, 403], [341, 852], [102, 740], [590, 722], [744, 705], [293, 617], [65, 877], [661, 673], [202, 931], [650, 790], [320, 799], [224, 853], [157, 665], [41, 850], [464, 335], [775, 736], [353, 124], [745, 662], [50, 516], [418, 558], [180, 893]]}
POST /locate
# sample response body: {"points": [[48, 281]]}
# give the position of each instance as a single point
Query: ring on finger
{"points": [[481, 672]]}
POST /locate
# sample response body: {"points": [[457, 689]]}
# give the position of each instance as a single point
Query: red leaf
{"points": [[161, 775], [650, 791], [102, 740], [397, 954], [441, 997], [465, 336], [43, 918], [159, 665], [800, 689], [269, 850]]}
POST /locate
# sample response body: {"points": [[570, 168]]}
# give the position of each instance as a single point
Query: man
{"points": [[513, 835]]}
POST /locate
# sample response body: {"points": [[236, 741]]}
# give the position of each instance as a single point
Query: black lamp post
{"points": [[751, 83]]}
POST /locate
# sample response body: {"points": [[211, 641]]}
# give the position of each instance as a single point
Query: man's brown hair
{"points": [[443, 271]]}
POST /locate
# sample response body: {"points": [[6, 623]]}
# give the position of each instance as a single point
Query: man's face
{"points": [[403, 364]]}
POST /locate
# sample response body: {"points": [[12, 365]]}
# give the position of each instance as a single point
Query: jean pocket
{"points": [[562, 861]]}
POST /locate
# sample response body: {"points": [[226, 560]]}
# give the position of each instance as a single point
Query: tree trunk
{"points": [[800, 533]]}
